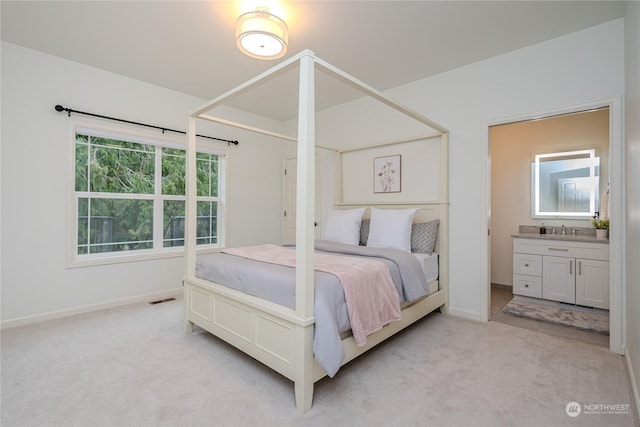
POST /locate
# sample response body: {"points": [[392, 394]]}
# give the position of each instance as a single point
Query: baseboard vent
{"points": [[161, 301]]}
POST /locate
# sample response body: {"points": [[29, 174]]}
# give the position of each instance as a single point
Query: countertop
{"points": [[566, 238]]}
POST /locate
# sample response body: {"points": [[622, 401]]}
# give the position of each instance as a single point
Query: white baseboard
{"points": [[466, 314], [634, 384], [52, 315]]}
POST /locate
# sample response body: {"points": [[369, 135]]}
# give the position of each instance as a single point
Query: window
{"points": [[130, 195]]}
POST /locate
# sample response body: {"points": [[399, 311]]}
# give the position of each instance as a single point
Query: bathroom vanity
{"points": [[566, 268]]}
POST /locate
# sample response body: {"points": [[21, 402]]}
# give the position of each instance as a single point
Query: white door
{"points": [[289, 211], [574, 194], [289, 202]]}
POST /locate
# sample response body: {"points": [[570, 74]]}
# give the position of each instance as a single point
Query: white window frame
{"points": [[143, 136]]}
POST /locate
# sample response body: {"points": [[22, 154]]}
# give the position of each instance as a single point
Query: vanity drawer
{"points": [[563, 248], [527, 264], [530, 286]]}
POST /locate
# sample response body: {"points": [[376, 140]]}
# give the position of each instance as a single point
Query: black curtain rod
{"points": [[163, 129]]}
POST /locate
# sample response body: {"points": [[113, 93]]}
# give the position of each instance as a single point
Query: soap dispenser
{"points": [[543, 229]]}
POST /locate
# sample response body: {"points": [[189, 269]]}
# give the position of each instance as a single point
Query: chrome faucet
{"points": [[564, 230]]}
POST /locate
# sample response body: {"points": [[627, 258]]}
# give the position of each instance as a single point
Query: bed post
{"points": [[305, 238], [444, 218], [190, 219]]}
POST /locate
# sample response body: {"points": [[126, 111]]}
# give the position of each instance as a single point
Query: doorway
{"points": [[512, 146], [289, 193], [289, 198]]}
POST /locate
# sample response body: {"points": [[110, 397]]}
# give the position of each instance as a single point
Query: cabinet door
{"points": [[592, 283], [559, 279]]}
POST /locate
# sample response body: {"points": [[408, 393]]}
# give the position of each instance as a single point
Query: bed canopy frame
{"points": [[276, 335]]}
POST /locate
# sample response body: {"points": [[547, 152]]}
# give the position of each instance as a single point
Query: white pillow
{"points": [[343, 226], [391, 228]]}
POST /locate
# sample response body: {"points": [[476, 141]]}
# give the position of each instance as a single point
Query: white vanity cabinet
{"points": [[574, 272], [527, 274], [559, 278], [592, 283]]}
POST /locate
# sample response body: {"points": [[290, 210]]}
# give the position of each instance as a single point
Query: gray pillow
{"points": [[364, 231], [423, 235]]}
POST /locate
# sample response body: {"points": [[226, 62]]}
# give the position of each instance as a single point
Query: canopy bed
{"points": [[282, 331]]}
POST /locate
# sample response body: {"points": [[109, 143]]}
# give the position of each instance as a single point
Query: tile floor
{"points": [[501, 296]]}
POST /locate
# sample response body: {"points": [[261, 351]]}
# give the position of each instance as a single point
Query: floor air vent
{"points": [[161, 301]]}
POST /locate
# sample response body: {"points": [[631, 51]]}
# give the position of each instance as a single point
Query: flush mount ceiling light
{"points": [[262, 35]]}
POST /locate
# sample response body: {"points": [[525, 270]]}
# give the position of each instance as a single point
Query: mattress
{"points": [[429, 263]]}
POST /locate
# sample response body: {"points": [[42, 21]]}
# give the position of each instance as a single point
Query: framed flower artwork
{"points": [[387, 174]]}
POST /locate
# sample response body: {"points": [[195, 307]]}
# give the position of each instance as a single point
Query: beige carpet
{"points": [[132, 366]]}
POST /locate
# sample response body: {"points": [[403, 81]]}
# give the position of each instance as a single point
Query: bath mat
{"points": [[587, 319]]}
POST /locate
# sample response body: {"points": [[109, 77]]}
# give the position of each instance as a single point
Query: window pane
{"points": [[174, 214], [207, 174], [173, 223], [82, 163], [121, 166], [173, 171], [83, 226], [114, 225], [207, 229]]}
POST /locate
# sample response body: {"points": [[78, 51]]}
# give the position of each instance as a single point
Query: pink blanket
{"points": [[371, 297]]}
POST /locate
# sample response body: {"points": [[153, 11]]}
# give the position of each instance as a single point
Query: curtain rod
{"points": [[60, 108]]}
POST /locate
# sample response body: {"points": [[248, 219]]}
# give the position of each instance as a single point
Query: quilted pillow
{"points": [[391, 228], [343, 226], [423, 236], [364, 231]]}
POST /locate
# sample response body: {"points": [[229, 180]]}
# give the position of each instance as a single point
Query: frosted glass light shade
{"points": [[260, 34]]}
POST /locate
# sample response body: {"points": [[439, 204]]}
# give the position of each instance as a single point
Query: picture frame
{"points": [[387, 174]]}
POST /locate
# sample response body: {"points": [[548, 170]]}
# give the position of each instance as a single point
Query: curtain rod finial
{"points": [[61, 108]]}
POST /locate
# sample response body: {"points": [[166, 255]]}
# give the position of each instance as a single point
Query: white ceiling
{"points": [[189, 46]]}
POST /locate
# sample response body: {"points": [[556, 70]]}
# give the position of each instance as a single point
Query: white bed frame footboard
{"points": [[274, 336]]}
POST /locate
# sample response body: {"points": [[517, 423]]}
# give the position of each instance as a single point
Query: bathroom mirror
{"points": [[565, 184]]}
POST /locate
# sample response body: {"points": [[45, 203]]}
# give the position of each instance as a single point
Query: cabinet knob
{"points": [[526, 285], [526, 265]]}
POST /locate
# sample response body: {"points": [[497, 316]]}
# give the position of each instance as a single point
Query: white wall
{"points": [[569, 70], [419, 172], [632, 133], [566, 71], [35, 280]]}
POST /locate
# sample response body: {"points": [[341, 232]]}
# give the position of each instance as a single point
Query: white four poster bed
{"points": [[282, 337]]}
